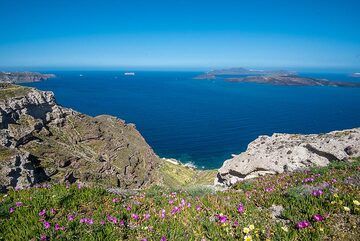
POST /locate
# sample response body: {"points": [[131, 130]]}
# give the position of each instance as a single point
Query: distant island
{"points": [[23, 77], [280, 77]]}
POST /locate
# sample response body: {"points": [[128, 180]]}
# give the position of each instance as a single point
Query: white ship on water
{"points": [[129, 73]]}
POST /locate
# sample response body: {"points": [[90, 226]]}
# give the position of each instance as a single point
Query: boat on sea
{"points": [[129, 73]]}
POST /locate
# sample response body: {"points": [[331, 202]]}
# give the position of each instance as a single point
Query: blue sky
{"points": [[179, 34]]}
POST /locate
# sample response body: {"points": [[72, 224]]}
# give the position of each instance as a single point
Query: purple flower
{"points": [[146, 216], [163, 238], [175, 210], [163, 213], [11, 210], [317, 193], [115, 200], [58, 227], [18, 204], [128, 208], [135, 216], [52, 211], [222, 218], [46, 225], [42, 212], [303, 224], [112, 219], [308, 179], [102, 222], [198, 208], [171, 201], [87, 220], [318, 218], [43, 237], [71, 217], [240, 208], [269, 189]]}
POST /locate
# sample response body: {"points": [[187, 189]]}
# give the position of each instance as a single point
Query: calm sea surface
{"points": [[205, 121]]}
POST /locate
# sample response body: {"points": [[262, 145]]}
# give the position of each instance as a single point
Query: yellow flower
{"points": [[321, 229], [246, 230], [340, 202], [248, 238], [346, 209], [335, 195], [333, 202], [251, 227], [285, 228], [356, 202]]}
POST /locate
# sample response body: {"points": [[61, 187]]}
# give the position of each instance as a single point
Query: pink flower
{"points": [[303, 224], [318, 218], [317, 193], [128, 208], [163, 238], [18, 204], [46, 225], [11, 210], [71, 217], [135, 216], [115, 200], [102, 222], [240, 208], [171, 201], [43, 237], [198, 208], [42, 212]]}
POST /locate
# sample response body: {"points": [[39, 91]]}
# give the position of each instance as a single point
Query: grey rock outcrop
{"points": [[42, 141], [289, 152]]}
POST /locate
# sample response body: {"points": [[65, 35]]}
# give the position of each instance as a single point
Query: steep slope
{"points": [[42, 141]]}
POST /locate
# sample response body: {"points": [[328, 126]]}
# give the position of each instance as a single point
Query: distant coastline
{"points": [[280, 77], [23, 77]]}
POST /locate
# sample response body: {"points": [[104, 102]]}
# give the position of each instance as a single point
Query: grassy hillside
{"points": [[320, 204]]}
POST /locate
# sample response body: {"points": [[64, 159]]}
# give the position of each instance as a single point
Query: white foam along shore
{"points": [[177, 162]]}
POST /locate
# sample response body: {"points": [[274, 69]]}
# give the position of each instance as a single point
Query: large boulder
{"points": [[288, 152]]}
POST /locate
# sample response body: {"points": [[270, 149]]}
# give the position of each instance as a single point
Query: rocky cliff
{"points": [[42, 141], [289, 152]]}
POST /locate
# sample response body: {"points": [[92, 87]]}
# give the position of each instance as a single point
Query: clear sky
{"points": [[179, 33]]}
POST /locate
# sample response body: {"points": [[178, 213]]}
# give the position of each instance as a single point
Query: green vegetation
{"points": [[319, 204], [10, 91]]}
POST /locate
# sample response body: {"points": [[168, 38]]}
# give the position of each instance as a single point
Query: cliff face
{"points": [[289, 152], [42, 141]]}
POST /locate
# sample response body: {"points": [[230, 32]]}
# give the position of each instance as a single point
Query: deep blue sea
{"points": [[205, 121]]}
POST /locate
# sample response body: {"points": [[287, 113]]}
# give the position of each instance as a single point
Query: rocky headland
{"points": [[289, 152], [23, 77], [41, 141]]}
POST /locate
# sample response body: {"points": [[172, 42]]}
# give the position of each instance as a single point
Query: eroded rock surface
{"points": [[288, 152], [42, 141]]}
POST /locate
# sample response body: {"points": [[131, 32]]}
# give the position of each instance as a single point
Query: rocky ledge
{"points": [[23, 77], [41, 141], [289, 152]]}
